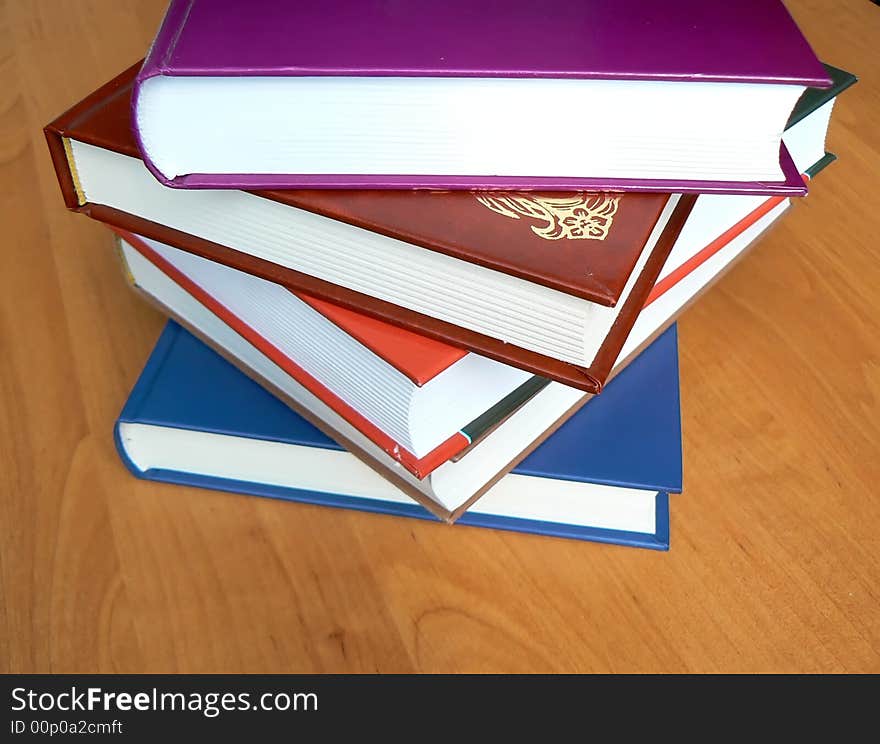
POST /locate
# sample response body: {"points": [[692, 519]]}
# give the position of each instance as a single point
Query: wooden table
{"points": [[775, 558]]}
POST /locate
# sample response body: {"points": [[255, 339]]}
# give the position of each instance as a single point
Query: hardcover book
{"points": [[446, 487], [689, 272], [550, 283], [504, 231], [675, 97], [421, 401], [406, 393], [194, 419], [456, 484]]}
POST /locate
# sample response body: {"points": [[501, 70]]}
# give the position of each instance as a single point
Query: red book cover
{"points": [[418, 357]]}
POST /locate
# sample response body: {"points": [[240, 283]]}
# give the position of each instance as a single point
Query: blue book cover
{"points": [[622, 443]]}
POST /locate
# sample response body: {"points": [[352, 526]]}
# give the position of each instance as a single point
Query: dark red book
{"points": [[550, 283]]}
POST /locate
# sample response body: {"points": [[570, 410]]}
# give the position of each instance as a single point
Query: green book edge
{"points": [[813, 98], [820, 164]]}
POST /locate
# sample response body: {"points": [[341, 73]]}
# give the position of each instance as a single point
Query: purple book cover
{"points": [[749, 41]]}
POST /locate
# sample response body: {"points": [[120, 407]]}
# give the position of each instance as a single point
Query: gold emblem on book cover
{"points": [[576, 217]]}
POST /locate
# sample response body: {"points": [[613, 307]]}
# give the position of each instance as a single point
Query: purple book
{"points": [[585, 95]]}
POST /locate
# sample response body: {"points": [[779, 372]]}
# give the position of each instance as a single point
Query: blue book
{"points": [[605, 475]]}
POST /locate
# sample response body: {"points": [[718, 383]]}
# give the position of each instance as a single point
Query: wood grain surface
{"points": [[775, 558]]}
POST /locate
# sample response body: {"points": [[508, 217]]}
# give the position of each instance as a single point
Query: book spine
{"points": [[486, 422], [63, 166], [157, 63]]}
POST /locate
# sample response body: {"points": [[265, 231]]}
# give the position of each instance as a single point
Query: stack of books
{"points": [[425, 259]]}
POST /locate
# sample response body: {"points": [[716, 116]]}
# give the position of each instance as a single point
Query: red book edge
{"points": [[418, 357], [700, 257], [421, 467]]}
